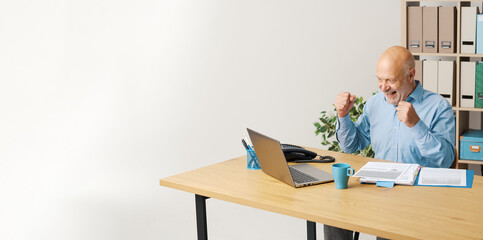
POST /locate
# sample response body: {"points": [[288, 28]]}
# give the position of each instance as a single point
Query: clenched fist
{"points": [[343, 103], [407, 114]]}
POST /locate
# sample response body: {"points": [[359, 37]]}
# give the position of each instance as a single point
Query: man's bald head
{"points": [[398, 58], [395, 73]]}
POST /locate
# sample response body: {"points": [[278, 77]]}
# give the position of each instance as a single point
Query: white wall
{"points": [[101, 99]]}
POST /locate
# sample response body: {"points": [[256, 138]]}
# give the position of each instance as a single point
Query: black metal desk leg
{"points": [[311, 231], [356, 235], [201, 217]]}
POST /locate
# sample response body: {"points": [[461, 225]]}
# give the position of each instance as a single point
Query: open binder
{"points": [[399, 173], [466, 178]]}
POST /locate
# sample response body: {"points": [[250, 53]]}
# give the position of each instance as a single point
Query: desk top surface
{"points": [[402, 212]]}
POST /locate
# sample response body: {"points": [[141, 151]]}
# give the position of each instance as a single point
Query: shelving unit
{"points": [[461, 113]]}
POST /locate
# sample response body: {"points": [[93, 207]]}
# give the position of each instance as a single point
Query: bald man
{"points": [[404, 122]]}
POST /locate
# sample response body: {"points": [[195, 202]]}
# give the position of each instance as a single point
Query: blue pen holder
{"points": [[252, 160]]}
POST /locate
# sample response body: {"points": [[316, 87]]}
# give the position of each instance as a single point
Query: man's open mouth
{"points": [[391, 94]]}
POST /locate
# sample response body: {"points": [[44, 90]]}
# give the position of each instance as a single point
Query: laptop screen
{"points": [[271, 158]]}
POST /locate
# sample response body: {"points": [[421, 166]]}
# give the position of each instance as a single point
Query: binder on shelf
{"points": [[479, 33], [479, 85], [430, 29], [446, 81], [468, 29], [467, 92], [415, 29], [447, 29], [419, 71], [430, 75]]}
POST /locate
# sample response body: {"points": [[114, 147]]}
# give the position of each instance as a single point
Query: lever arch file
{"points": [[430, 75], [468, 29], [419, 71], [447, 29], [446, 86], [467, 98], [479, 34], [430, 29], [479, 86], [415, 29]]}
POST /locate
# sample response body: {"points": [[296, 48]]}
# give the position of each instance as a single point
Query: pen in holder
{"points": [[252, 160]]}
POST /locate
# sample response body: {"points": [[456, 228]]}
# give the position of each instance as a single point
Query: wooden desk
{"points": [[402, 212]]}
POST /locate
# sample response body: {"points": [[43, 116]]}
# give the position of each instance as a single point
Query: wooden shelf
{"points": [[466, 109], [470, 161], [470, 55], [470, 109], [437, 54], [411, 1], [449, 54], [461, 113]]}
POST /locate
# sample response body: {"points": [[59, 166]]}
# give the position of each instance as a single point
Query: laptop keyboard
{"points": [[300, 177]]}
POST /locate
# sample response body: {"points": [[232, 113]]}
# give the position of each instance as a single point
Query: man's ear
{"points": [[412, 74]]}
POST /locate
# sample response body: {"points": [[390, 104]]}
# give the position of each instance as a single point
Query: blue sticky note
{"points": [[388, 184]]}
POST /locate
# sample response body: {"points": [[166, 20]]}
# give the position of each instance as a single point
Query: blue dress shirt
{"points": [[429, 143]]}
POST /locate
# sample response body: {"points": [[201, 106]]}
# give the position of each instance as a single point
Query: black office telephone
{"points": [[294, 153]]}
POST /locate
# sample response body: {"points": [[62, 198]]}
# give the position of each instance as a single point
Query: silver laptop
{"points": [[272, 161]]}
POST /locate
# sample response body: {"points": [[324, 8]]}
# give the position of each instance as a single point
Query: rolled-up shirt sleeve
{"points": [[353, 136]]}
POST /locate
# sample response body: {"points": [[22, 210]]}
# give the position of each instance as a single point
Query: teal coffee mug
{"points": [[341, 173]]}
